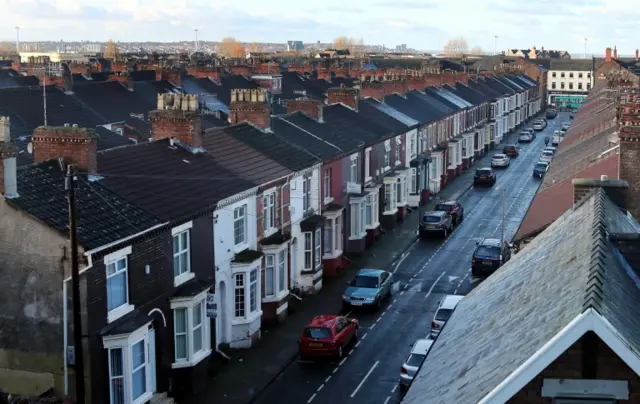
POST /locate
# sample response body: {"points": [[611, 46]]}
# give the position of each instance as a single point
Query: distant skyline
{"points": [[420, 24]]}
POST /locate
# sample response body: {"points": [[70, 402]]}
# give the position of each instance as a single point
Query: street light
{"points": [[504, 193]]}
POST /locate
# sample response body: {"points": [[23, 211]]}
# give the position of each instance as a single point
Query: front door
{"points": [[151, 349]]}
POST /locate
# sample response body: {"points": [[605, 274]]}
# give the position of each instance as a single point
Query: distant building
{"points": [[542, 53], [401, 48], [295, 46], [93, 48], [569, 82]]}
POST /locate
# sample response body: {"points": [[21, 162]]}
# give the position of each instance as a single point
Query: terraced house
{"points": [[207, 201]]}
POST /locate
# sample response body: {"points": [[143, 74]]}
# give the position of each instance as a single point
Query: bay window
{"points": [[371, 209], [191, 330], [275, 273], [402, 194], [337, 234], [308, 251], [328, 237], [390, 199], [269, 275], [399, 193], [357, 215], [318, 245], [282, 271], [414, 181], [269, 212], [332, 235], [246, 294]]}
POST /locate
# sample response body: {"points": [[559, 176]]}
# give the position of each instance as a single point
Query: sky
{"points": [[424, 25]]}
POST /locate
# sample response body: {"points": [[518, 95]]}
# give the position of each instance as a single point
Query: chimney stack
{"points": [[607, 55], [343, 95], [8, 164], [250, 106], [310, 107], [615, 189], [615, 52], [372, 89], [637, 54], [76, 145], [177, 116], [629, 159]]}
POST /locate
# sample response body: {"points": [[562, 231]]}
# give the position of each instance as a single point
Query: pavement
{"points": [[424, 271]]}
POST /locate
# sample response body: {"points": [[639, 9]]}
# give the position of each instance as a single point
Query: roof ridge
{"points": [[594, 292]]}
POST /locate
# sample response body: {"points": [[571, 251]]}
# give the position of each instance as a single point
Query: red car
{"points": [[327, 336], [453, 208], [510, 150]]}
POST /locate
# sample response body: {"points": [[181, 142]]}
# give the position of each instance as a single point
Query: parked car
{"points": [[484, 176], [327, 336], [510, 150], [525, 137], [500, 160], [419, 351], [368, 289], [454, 209], [443, 312], [435, 222], [551, 149], [538, 126], [540, 169], [489, 255], [547, 156], [551, 114], [557, 138], [566, 125]]}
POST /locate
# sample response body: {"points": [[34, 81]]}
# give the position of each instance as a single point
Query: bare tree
{"points": [[7, 48], [456, 47], [353, 45], [476, 50], [231, 48], [254, 47]]}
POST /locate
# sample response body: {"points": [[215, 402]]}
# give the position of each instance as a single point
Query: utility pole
{"points": [[502, 221], [585, 48], [18, 42], [70, 187], [495, 44]]}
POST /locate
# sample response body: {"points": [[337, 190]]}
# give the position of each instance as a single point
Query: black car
{"points": [[489, 256], [552, 114], [484, 176]]}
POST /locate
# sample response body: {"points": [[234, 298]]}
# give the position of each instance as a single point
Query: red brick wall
{"points": [[185, 127], [203, 73], [569, 366], [375, 90], [312, 108], [258, 114], [629, 169], [241, 70], [394, 86], [347, 96], [77, 145], [433, 80]]}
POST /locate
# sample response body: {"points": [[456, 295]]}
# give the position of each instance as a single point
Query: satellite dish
{"points": [[30, 148]]}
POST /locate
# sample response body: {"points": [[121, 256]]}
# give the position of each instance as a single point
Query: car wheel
{"points": [[461, 217], [340, 352], [379, 304]]}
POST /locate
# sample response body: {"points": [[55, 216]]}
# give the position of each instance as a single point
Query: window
{"points": [[191, 326], [579, 86], [414, 180], [138, 369], [269, 211], [353, 169], [357, 219], [240, 297], [399, 192], [398, 149], [571, 75], [180, 333], [579, 75], [327, 183], [562, 85], [562, 75], [387, 153], [240, 224], [197, 327], [308, 250], [269, 275], [116, 376], [412, 146], [181, 258], [328, 236], [318, 242], [588, 86], [390, 192], [337, 234], [282, 270], [306, 194], [367, 164], [117, 288], [570, 86], [553, 74], [253, 291], [368, 215]]}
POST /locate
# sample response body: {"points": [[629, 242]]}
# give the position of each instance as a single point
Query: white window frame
{"points": [[356, 213], [306, 194], [387, 156], [414, 180], [125, 343], [334, 224], [240, 223], [112, 258], [275, 253], [398, 150], [353, 168], [413, 151], [269, 212], [374, 199], [327, 198], [390, 183], [317, 248], [176, 233], [367, 164], [307, 248], [270, 269], [190, 304]]}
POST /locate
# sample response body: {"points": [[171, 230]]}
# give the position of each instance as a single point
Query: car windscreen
{"points": [[498, 156], [547, 153], [415, 360], [483, 172], [431, 219], [317, 332], [444, 207], [365, 282], [540, 167], [443, 314], [488, 251]]}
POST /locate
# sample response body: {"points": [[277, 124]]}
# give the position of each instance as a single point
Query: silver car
{"points": [[500, 160], [410, 367], [546, 156]]}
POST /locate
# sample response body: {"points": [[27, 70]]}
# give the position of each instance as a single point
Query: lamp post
{"points": [[495, 44], [503, 189]]}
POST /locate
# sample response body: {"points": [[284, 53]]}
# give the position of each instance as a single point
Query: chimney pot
{"points": [[615, 52], [604, 177], [66, 125], [607, 55]]}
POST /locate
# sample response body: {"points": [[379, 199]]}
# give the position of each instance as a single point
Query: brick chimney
{"points": [[177, 117], [343, 95], [372, 89], [310, 107], [75, 145], [8, 165], [629, 159], [250, 106], [607, 55], [615, 52], [394, 86], [615, 189]]}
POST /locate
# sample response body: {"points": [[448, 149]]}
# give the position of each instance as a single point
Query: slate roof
{"points": [[416, 108], [295, 85], [11, 78], [498, 86], [505, 80], [109, 139], [387, 109], [115, 102], [371, 132], [170, 182], [254, 154], [473, 96], [481, 86], [103, 216], [375, 115], [442, 109], [516, 311], [448, 97], [584, 65]]}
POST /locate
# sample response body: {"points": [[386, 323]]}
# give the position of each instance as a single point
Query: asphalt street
{"points": [[427, 272]]}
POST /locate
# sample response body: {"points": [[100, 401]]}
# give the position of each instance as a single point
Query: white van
{"points": [[557, 138], [443, 312]]}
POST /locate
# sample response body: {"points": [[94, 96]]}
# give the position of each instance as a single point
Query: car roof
{"points": [[369, 272], [547, 152], [509, 145], [484, 169], [449, 202], [450, 301], [324, 321], [546, 163], [495, 242], [435, 213], [500, 155], [422, 346]]}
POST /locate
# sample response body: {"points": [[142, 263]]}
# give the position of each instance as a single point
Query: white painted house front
{"points": [[238, 288]]}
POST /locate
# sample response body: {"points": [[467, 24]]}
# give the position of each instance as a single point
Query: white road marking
{"points": [[363, 337], [394, 300], [372, 326], [387, 400], [343, 361], [402, 293], [334, 371], [312, 397], [453, 278], [385, 311], [393, 390], [365, 379], [321, 387], [404, 256], [327, 379], [434, 285], [350, 352], [357, 344]]}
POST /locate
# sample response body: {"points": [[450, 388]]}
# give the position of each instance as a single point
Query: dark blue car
{"points": [[540, 169], [488, 256]]}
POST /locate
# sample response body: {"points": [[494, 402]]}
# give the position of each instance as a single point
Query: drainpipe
{"points": [[65, 337]]}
